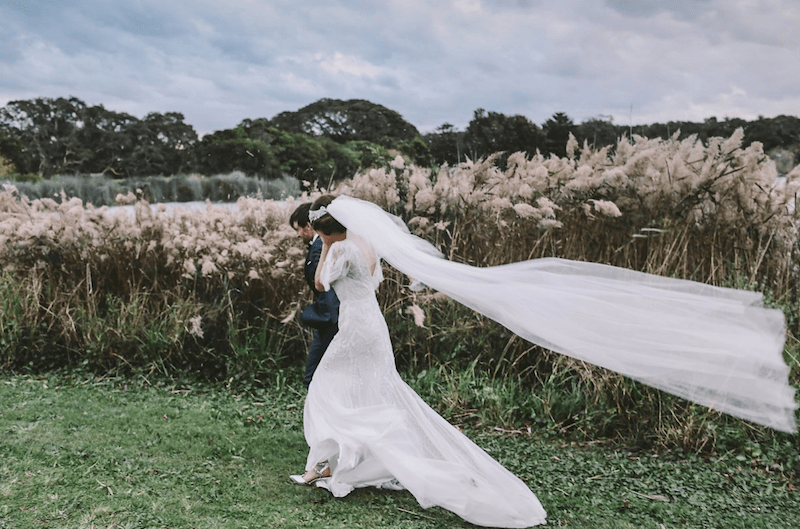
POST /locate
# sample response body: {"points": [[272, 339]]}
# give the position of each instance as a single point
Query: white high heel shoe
{"points": [[321, 470]]}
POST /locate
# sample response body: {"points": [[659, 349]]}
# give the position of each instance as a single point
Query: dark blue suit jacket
{"points": [[323, 313]]}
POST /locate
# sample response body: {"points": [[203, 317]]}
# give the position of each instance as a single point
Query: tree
{"points": [[493, 132], [230, 150], [11, 149], [47, 131], [418, 151], [162, 144], [67, 136], [780, 131], [308, 158], [300, 155], [103, 141], [370, 154], [258, 129], [343, 121], [344, 159], [446, 144], [315, 159], [598, 132], [724, 128], [556, 134]]}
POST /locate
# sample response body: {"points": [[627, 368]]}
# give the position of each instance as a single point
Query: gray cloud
{"points": [[684, 9], [433, 62]]}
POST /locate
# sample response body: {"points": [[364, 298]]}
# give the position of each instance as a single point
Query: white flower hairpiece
{"points": [[315, 215]]}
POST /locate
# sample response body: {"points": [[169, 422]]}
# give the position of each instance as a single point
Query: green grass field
{"points": [[77, 451]]}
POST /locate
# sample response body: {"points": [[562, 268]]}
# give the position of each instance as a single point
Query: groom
{"points": [[323, 314]]}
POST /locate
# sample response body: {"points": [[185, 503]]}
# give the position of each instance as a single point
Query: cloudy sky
{"points": [[433, 61]]}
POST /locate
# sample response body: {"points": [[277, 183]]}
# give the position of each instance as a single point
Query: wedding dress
{"points": [[374, 430]]}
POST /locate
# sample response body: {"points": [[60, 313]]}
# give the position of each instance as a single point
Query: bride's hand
{"points": [[325, 247]]}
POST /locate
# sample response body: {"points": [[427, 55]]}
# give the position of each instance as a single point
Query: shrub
{"points": [[98, 190]]}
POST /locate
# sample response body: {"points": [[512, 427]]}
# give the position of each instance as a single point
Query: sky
{"points": [[434, 62]]}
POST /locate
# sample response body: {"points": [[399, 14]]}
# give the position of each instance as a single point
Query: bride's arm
{"points": [[318, 274]]}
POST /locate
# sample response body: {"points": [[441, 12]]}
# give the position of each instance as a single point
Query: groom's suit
{"points": [[322, 315]]}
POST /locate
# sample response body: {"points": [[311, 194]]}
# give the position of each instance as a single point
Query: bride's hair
{"points": [[326, 223]]}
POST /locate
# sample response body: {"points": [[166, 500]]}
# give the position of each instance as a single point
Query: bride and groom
{"points": [[366, 427]]}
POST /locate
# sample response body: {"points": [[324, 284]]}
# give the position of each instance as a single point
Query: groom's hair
{"points": [[299, 217]]}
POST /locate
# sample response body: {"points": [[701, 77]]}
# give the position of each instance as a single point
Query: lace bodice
{"points": [[347, 270], [362, 352]]}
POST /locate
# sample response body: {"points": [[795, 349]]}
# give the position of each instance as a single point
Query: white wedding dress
{"points": [[374, 430]]}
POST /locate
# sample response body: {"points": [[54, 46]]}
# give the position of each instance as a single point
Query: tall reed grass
{"points": [[217, 291], [158, 289]]}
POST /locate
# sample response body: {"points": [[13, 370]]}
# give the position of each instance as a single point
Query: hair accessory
{"points": [[316, 214]]}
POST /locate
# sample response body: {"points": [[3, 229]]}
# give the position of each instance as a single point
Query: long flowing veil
{"points": [[714, 346]]}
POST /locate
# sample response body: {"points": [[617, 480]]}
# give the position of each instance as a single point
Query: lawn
{"points": [[81, 451]]}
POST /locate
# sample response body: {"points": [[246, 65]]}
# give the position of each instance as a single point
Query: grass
{"points": [[83, 451]]}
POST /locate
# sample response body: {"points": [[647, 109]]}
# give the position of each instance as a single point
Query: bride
{"points": [[365, 427]]}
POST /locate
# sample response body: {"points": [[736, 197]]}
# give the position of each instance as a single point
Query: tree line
{"points": [[330, 139], [327, 140]]}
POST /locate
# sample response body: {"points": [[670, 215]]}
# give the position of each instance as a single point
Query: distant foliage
{"points": [[233, 150], [493, 132], [322, 143], [343, 121], [100, 191], [65, 136]]}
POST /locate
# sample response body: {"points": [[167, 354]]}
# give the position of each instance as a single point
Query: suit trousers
{"points": [[319, 343]]}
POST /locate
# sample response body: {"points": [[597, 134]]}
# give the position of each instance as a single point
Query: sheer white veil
{"points": [[714, 346]]}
